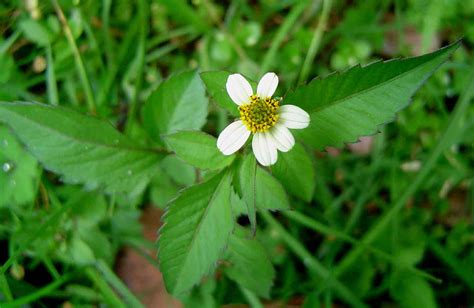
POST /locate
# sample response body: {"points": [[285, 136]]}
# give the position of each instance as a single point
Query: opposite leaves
{"points": [[81, 148], [348, 105], [196, 229]]}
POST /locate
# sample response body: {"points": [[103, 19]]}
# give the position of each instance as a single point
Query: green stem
{"points": [[117, 284], [455, 126], [140, 58], [77, 58], [51, 85], [109, 295], [251, 298], [32, 297], [281, 34], [321, 228], [316, 41], [311, 263], [5, 288]]}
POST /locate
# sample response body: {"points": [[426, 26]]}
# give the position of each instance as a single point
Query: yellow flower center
{"points": [[259, 114]]}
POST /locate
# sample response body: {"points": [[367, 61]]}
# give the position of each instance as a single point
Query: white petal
{"points": [[282, 137], [239, 89], [232, 138], [264, 149], [267, 85], [293, 117]]}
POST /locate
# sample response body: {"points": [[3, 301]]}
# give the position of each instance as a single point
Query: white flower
{"points": [[262, 116]]}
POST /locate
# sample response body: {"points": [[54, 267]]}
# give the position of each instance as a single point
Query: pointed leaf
{"points": [[179, 103], [196, 229], [361, 98], [198, 149], [82, 149], [249, 263], [294, 169]]}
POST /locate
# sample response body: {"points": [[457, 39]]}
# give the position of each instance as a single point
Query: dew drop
{"points": [[7, 167], [13, 182], [129, 172]]}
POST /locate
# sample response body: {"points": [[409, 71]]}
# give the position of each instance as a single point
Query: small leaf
{"points": [[215, 83], [36, 32], [294, 169], [355, 103], [269, 193], [179, 103], [81, 148], [195, 232], [411, 290], [198, 149], [250, 265]]}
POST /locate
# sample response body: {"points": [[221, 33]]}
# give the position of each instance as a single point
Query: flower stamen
{"points": [[260, 114]]}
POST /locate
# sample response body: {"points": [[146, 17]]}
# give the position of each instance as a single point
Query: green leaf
{"points": [[345, 106], [411, 290], [81, 148], [196, 229], [179, 171], [265, 191], [294, 169], [249, 263], [179, 103], [198, 149], [36, 32], [215, 83], [248, 187]]}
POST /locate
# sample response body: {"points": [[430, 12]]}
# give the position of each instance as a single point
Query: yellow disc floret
{"points": [[260, 114]]}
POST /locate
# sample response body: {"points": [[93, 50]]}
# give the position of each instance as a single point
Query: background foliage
{"points": [[408, 190]]}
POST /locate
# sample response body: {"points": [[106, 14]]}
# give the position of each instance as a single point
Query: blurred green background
{"points": [[124, 49]]}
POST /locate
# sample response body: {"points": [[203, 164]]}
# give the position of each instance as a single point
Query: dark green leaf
{"points": [[195, 231], [179, 103], [81, 148], [355, 103], [295, 171], [198, 149], [249, 263]]}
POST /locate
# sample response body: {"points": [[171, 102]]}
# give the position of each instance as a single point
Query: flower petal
{"points": [[293, 117], [239, 89], [264, 149], [267, 85], [282, 137], [232, 138]]}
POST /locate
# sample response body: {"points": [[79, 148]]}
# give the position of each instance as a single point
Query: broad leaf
{"points": [[198, 149], [295, 171], [249, 263], [179, 103], [81, 148], [195, 232], [259, 187], [356, 102], [411, 290], [215, 83]]}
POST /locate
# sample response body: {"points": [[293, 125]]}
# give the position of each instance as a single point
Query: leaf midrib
{"points": [[83, 141], [338, 101], [198, 228]]}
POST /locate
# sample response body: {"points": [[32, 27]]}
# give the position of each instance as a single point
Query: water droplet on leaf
{"points": [[7, 167], [129, 172]]}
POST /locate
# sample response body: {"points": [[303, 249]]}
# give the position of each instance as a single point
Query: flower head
{"points": [[262, 116]]}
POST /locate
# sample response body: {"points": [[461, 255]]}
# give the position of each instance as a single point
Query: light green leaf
{"points": [[195, 232], [345, 106], [198, 149], [411, 290], [215, 83], [249, 263], [294, 169], [262, 188], [179, 103], [81, 148], [179, 171], [36, 32]]}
